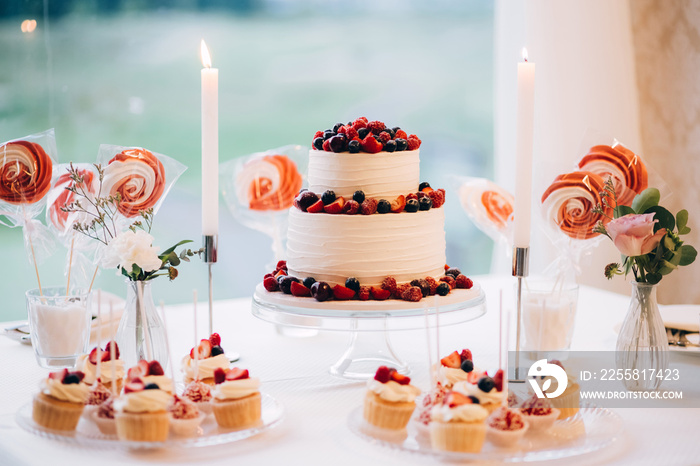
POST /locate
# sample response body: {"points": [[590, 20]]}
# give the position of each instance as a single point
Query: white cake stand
{"points": [[369, 322]]}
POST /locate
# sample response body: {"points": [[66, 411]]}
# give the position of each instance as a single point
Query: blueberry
{"points": [[306, 199], [308, 281], [454, 271], [423, 285], [391, 132], [286, 284], [474, 399], [338, 142], [390, 146], [279, 280], [151, 386], [467, 365], [321, 291], [443, 289], [354, 146], [411, 205], [336, 127], [362, 132], [485, 384], [353, 283], [401, 144], [318, 143], [425, 203], [71, 379], [327, 134], [384, 207], [328, 197], [423, 185], [216, 350], [395, 129], [358, 196]]}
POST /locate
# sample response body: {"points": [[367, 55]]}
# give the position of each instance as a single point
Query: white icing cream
{"points": [[449, 376], [90, 369], [464, 413], [207, 366], [468, 389], [235, 389], [72, 392], [385, 175], [163, 382], [393, 391], [332, 248], [144, 401]]}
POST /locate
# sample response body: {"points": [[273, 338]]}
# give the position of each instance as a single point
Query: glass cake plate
{"points": [[590, 430], [88, 435], [369, 322]]}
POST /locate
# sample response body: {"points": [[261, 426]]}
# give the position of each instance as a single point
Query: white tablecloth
{"points": [[314, 431]]}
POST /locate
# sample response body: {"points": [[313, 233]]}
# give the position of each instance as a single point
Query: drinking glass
{"points": [[549, 313]]}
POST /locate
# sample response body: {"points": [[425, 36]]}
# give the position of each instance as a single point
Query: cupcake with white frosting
{"points": [[141, 412], [237, 401], [60, 402], [209, 357], [458, 424], [390, 399]]}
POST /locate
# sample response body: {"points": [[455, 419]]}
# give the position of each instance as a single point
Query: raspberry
{"points": [[385, 137], [463, 282], [351, 133], [389, 283], [400, 134], [327, 145], [359, 123], [432, 284], [318, 134], [411, 196], [413, 136], [413, 293], [376, 127], [413, 144], [438, 198], [400, 290], [351, 207], [364, 293], [449, 280], [369, 206]]}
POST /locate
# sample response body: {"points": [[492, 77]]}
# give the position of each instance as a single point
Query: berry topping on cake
{"points": [[485, 384], [411, 196], [413, 293], [280, 274], [449, 279], [305, 199], [343, 293], [399, 133], [390, 146], [412, 205], [286, 284], [215, 339], [453, 360], [73, 378], [383, 206], [363, 133], [437, 197], [423, 185], [197, 391], [389, 283], [385, 137], [463, 282], [454, 399], [354, 146], [443, 289], [237, 374], [318, 143], [299, 290], [203, 350], [425, 203], [358, 196], [400, 378], [364, 294], [216, 350], [376, 126], [135, 385], [335, 207], [454, 272], [432, 283], [467, 365], [423, 285], [498, 380], [219, 375], [351, 207], [413, 142], [401, 144], [141, 369], [321, 291], [308, 281], [383, 374], [154, 367], [270, 284], [371, 145], [401, 289], [380, 294], [352, 283], [328, 197], [151, 386], [369, 206], [316, 207], [398, 204], [360, 123]]}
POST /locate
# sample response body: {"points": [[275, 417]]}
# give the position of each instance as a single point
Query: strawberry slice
{"points": [[453, 399], [280, 272], [219, 375], [300, 290], [398, 204], [380, 294], [466, 354], [237, 374], [316, 207], [215, 339], [371, 145], [154, 368], [204, 349], [93, 356], [105, 352], [400, 378], [453, 360], [135, 385], [427, 190], [342, 293], [138, 371], [335, 207], [383, 374], [498, 380], [59, 375]]}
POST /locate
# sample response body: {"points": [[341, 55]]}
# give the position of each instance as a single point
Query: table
{"points": [[314, 431]]}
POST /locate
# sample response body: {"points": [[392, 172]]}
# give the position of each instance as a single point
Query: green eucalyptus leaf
{"points": [[171, 249], [173, 259], [682, 219], [648, 198], [665, 218], [684, 230], [688, 254]]}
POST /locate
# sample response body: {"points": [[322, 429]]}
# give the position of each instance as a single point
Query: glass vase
{"points": [[139, 339], [642, 345]]}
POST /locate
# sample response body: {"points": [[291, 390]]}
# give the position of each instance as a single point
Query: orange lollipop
{"points": [[25, 172], [138, 176], [272, 182], [628, 172], [60, 197], [497, 207]]}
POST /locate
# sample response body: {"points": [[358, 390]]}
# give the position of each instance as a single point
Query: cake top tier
{"points": [[362, 135]]}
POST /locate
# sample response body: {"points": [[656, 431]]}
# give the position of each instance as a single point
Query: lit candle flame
{"points": [[524, 54], [28, 25], [206, 58]]}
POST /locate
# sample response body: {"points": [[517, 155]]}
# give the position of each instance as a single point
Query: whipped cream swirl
{"points": [[236, 389], [491, 397], [163, 382], [393, 391], [464, 413], [72, 392], [207, 366], [90, 369], [144, 401]]}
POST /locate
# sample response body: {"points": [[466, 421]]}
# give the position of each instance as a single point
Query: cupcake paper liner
{"points": [[56, 414], [385, 414], [142, 427], [232, 414], [457, 436], [567, 403]]}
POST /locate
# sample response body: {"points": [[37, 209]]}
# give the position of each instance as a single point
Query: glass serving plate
{"points": [[592, 429], [88, 435]]}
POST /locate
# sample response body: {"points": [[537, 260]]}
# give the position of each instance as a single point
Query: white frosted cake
{"points": [[366, 228]]}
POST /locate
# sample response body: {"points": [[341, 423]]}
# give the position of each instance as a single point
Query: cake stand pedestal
{"points": [[368, 322]]}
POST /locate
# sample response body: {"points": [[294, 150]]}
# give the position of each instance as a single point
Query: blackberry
{"points": [[411, 205], [354, 146], [318, 143], [308, 281], [216, 350], [358, 196], [353, 283], [328, 197], [383, 207], [151, 386], [425, 203]]}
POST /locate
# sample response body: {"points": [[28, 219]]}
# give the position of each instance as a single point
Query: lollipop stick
{"points": [[99, 336], [144, 321], [196, 349], [36, 269], [112, 352], [167, 341], [70, 263], [94, 275]]}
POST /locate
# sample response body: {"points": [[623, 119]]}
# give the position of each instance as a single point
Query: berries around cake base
{"points": [[308, 287]]}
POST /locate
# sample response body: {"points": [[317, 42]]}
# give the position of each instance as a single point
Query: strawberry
{"points": [[498, 380], [154, 368], [447, 267], [134, 385], [270, 284], [371, 145], [237, 374], [453, 360], [342, 293], [398, 204], [280, 272], [400, 378], [219, 375], [215, 339], [427, 190], [316, 207], [59, 375], [336, 206], [376, 127], [351, 207], [299, 290], [107, 350], [453, 399], [364, 293], [138, 371], [383, 374], [401, 134], [93, 356], [204, 349], [465, 355], [380, 294]]}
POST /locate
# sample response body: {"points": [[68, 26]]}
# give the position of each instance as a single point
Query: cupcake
{"points": [[185, 417], [431, 399], [237, 400], [60, 402], [150, 372], [200, 394], [489, 391], [458, 424], [210, 356], [505, 427], [390, 399], [98, 394], [87, 363], [104, 417], [457, 367], [568, 402], [141, 412], [539, 413]]}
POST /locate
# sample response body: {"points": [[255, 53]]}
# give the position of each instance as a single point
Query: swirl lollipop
{"points": [[25, 173], [488, 205], [628, 172], [568, 203], [138, 177], [268, 183], [61, 195]]}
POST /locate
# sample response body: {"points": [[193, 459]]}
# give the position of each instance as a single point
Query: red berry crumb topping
{"points": [[413, 293], [463, 282], [389, 283]]}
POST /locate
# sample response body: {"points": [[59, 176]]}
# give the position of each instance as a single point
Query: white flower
{"points": [[130, 248]]}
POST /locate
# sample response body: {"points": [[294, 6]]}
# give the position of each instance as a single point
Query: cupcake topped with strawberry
{"points": [[390, 399], [209, 356], [87, 363], [61, 400], [237, 399], [67, 386], [488, 390], [458, 367], [149, 373]]}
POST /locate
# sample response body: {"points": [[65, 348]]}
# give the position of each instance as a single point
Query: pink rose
{"points": [[633, 234]]}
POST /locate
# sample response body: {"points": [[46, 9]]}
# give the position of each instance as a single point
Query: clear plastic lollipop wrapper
{"points": [[260, 188]]}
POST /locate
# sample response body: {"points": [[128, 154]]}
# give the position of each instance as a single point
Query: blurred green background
{"points": [[128, 73]]}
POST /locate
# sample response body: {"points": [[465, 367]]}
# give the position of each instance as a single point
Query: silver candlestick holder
{"points": [[521, 265]]}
